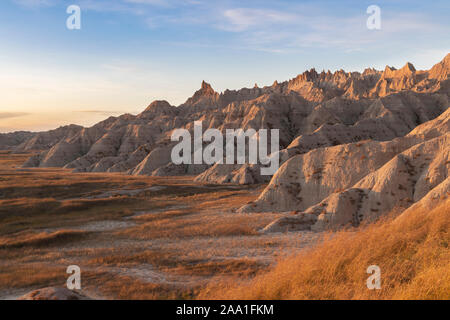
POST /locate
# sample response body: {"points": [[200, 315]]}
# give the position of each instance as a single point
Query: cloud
{"points": [[278, 28], [119, 68], [241, 19], [134, 7], [291, 29], [8, 115], [34, 3], [111, 6], [149, 2]]}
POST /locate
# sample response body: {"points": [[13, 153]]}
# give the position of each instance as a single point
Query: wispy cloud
{"points": [[287, 30], [134, 7], [241, 19], [111, 6], [278, 28], [149, 2], [7, 115], [119, 68], [34, 3]]}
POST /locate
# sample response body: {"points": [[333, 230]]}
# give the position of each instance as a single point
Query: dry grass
{"points": [[125, 287], [25, 276], [172, 262], [43, 239], [41, 210], [193, 226], [244, 267], [21, 214], [148, 256], [413, 254], [190, 234]]}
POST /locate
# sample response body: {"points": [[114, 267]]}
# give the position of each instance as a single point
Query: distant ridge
{"points": [[346, 138]]}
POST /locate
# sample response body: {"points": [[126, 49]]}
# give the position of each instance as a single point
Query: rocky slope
{"points": [[53, 293], [343, 185], [348, 141], [312, 110]]}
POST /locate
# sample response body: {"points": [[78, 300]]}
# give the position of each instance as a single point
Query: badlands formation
{"points": [[353, 146]]}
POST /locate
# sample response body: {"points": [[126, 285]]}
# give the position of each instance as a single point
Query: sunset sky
{"points": [[130, 52]]}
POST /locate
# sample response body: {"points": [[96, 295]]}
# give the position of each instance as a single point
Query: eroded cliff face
{"points": [[340, 134], [343, 185]]}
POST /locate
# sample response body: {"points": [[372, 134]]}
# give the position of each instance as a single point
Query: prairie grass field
{"points": [[134, 237]]}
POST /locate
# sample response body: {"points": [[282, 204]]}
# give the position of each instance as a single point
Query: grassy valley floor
{"points": [[134, 237]]}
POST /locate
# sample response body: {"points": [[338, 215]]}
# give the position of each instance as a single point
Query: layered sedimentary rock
{"points": [[346, 184], [348, 141]]}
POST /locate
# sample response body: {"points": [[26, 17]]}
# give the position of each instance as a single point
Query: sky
{"points": [[131, 52]]}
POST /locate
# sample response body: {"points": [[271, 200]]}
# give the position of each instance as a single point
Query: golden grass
{"points": [[125, 287], [193, 226], [43, 239], [154, 257], [243, 267], [40, 199], [21, 214], [25, 276], [38, 275], [170, 261], [413, 254]]}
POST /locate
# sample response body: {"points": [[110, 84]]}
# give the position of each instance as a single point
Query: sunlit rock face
{"points": [[347, 141]]}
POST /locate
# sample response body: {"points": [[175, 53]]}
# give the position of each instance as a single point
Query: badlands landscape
{"points": [[363, 179]]}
